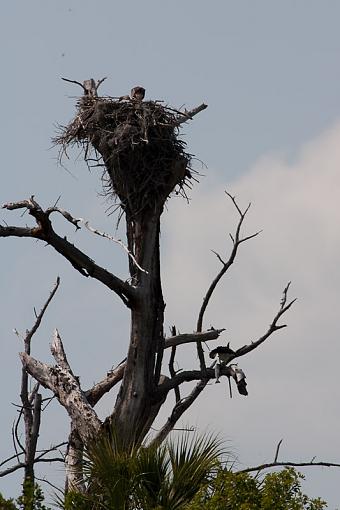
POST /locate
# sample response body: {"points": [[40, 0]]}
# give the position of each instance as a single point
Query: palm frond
{"points": [[129, 477]]}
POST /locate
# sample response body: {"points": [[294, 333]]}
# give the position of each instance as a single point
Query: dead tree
{"points": [[144, 161], [30, 412]]}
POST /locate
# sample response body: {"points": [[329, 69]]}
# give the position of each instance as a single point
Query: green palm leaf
{"points": [[128, 477]]}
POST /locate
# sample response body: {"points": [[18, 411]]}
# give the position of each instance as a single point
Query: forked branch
{"points": [[31, 407], [179, 409], [205, 376], [79, 260], [90, 87], [274, 326], [236, 240], [277, 463], [65, 386]]}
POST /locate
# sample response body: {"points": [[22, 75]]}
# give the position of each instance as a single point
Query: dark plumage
{"points": [[137, 93], [225, 354]]}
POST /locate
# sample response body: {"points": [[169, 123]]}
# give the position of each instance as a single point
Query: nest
{"points": [[137, 144]]}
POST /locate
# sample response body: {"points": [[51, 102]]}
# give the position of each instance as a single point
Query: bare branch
{"points": [[11, 469], [189, 114], [237, 240], [44, 480], [185, 338], [79, 260], [42, 453], [15, 456], [277, 450], [90, 87], [111, 238], [74, 81], [182, 405], [226, 265], [31, 403], [99, 82], [57, 350], [178, 410], [76, 221], [284, 307], [21, 465], [105, 385], [64, 213], [219, 257], [15, 434], [285, 464], [195, 375], [65, 386], [32, 439], [39, 317], [172, 370], [114, 376], [50, 459]]}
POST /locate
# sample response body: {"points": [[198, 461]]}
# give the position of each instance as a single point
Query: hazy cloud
{"points": [[293, 386]]}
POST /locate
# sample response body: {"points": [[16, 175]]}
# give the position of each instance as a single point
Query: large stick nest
{"points": [[138, 145]]}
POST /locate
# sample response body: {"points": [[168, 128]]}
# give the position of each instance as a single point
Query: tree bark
{"points": [[138, 403], [74, 479]]}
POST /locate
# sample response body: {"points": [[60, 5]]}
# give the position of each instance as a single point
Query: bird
{"points": [[225, 354], [240, 379], [137, 93]]}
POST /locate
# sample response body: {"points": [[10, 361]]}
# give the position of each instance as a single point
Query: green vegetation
{"points": [[182, 475], [186, 474], [167, 477], [274, 491], [31, 499]]}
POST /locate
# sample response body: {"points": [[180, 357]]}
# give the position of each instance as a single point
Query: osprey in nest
{"points": [[136, 94]]}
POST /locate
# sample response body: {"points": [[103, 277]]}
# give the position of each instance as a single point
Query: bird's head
{"points": [[138, 93]]}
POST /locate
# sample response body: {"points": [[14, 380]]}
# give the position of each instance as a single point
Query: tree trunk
{"points": [[137, 403], [74, 463]]}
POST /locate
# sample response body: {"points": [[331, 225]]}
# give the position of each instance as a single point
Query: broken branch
{"points": [[66, 387], [189, 114]]}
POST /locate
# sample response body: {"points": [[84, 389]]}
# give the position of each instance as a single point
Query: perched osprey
{"points": [[137, 93], [225, 354], [240, 379]]}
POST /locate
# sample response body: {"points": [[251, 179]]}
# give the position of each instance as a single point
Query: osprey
{"points": [[240, 379], [137, 93], [225, 354]]}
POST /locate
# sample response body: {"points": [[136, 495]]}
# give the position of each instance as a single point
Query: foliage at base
{"points": [[233, 491], [31, 499], [183, 475], [180, 477]]}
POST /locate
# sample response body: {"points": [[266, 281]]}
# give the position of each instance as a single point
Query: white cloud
{"points": [[293, 386]]}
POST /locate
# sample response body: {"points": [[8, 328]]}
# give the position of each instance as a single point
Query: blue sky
{"points": [[270, 73]]}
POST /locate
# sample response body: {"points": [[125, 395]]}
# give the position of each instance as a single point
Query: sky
{"points": [[270, 73]]}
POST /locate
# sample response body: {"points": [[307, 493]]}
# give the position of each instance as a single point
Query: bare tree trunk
{"points": [[74, 463], [137, 403]]}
